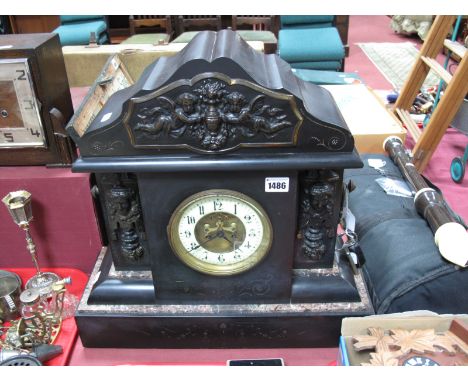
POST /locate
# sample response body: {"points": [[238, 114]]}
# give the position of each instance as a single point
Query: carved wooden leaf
{"points": [[377, 339], [419, 341], [458, 343], [446, 343], [383, 359]]}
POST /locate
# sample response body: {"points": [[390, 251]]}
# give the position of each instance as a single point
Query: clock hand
{"points": [[206, 241], [231, 242]]}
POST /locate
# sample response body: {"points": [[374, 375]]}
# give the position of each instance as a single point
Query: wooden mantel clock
{"points": [[220, 177], [35, 101]]}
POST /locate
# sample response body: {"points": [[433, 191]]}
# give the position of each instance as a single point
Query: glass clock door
{"points": [[20, 121]]}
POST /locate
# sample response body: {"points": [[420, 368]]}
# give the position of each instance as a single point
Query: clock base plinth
{"points": [[146, 324]]}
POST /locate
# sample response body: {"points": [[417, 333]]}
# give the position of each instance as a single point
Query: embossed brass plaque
{"points": [[213, 113]]}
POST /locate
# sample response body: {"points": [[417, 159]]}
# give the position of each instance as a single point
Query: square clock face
{"points": [[20, 120]]}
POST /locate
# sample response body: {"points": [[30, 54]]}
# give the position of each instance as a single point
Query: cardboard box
{"points": [[409, 320], [366, 116], [84, 64]]}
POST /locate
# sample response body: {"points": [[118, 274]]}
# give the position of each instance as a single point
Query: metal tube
{"points": [[450, 236]]}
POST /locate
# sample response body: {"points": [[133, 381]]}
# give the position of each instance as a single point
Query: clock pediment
{"points": [[216, 96]]}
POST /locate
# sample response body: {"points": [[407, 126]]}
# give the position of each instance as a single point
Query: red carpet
{"points": [[369, 29]]}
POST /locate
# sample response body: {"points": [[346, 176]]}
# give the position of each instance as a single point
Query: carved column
{"points": [[317, 221], [123, 219]]}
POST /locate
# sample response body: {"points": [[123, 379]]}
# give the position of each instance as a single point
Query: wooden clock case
{"points": [[218, 115], [49, 76]]}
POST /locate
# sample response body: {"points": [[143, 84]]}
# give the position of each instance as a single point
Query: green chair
{"points": [[148, 38], [311, 42], [263, 36], [185, 37], [247, 35], [249, 28], [257, 28], [149, 29], [77, 30], [306, 21]]}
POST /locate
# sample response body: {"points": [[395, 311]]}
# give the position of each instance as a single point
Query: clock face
{"points": [[420, 361], [220, 232], [20, 122]]}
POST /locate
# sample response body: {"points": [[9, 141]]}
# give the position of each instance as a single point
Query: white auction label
{"points": [[106, 117], [276, 184]]}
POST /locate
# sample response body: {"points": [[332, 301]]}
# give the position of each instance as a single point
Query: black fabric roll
{"points": [[404, 270]]}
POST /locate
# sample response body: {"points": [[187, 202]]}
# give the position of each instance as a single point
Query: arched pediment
{"points": [[217, 96]]}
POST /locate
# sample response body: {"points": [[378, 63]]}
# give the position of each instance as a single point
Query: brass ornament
{"points": [[19, 205], [41, 326]]}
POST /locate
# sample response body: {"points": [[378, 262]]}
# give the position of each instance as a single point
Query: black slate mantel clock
{"points": [[220, 180]]}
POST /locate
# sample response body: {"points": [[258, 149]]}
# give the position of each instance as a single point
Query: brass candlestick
{"points": [[18, 204]]}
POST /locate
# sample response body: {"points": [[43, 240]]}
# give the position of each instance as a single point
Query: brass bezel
{"points": [[215, 269]]}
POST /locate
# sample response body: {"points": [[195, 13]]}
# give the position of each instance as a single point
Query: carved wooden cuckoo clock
{"points": [[220, 177]]}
